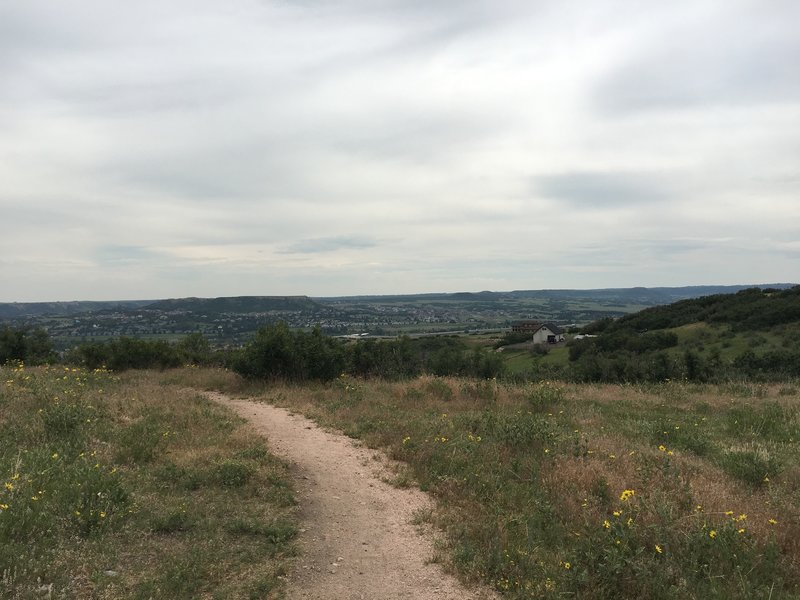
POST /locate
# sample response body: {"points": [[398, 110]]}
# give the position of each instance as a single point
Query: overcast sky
{"points": [[159, 149]]}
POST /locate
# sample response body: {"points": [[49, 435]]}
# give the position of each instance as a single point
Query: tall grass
{"points": [[126, 487], [549, 490]]}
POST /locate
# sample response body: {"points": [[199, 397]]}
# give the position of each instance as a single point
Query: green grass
{"points": [[530, 481], [130, 487], [137, 487], [705, 339], [524, 362]]}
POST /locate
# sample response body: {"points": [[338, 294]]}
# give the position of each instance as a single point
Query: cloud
{"points": [[329, 244], [120, 256], [702, 56], [602, 190], [195, 148]]}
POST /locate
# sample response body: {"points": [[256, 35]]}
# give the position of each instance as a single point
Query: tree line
{"points": [[275, 352]]}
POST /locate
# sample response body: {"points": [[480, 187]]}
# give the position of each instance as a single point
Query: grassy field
{"points": [[135, 487], [701, 338], [550, 491]]}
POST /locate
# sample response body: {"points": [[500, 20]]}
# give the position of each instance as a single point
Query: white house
{"points": [[548, 334], [543, 333]]}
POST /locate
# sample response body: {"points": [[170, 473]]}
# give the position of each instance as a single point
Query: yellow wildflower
{"points": [[712, 534], [658, 548]]}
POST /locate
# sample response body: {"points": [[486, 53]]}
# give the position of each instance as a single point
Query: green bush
{"points": [[25, 344], [278, 352], [126, 353]]}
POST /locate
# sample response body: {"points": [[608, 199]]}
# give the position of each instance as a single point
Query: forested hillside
{"points": [[747, 310], [752, 334]]}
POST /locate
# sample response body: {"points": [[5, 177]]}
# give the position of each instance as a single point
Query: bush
{"points": [[126, 353], [280, 353], [25, 344]]}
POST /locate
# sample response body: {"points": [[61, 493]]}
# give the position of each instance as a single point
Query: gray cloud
{"points": [[329, 244], [192, 148], [745, 55], [602, 190], [119, 256]]}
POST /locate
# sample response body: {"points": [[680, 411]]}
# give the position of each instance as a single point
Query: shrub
{"points": [[277, 352], [26, 345], [126, 353]]}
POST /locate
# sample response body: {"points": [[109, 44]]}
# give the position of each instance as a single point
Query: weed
{"points": [[233, 473], [138, 443], [766, 421], [753, 467], [545, 395], [526, 478], [486, 390], [172, 522], [439, 389], [92, 465], [277, 532]]}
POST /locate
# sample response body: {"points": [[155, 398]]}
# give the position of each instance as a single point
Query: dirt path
{"points": [[357, 540]]}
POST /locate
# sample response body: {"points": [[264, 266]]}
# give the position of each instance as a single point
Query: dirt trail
{"points": [[357, 540]]}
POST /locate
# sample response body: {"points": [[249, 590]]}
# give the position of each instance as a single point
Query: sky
{"points": [[158, 149]]}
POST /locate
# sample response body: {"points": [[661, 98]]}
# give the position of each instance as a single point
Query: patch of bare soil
{"points": [[357, 540]]}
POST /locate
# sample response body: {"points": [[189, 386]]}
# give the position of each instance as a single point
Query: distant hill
{"points": [[13, 310], [643, 295], [746, 310], [636, 295], [236, 304]]}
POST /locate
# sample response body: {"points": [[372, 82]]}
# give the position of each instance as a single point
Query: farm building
{"points": [[543, 333]]}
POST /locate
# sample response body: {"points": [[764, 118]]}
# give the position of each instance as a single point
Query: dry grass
{"points": [[191, 503], [528, 478]]}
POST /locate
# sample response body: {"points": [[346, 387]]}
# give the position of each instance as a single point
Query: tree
{"points": [[31, 346]]}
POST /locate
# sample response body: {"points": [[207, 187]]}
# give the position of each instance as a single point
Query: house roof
{"points": [[534, 326]]}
